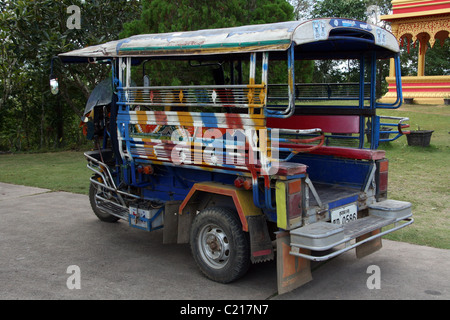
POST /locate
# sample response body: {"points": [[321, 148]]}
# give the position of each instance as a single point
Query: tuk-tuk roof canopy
{"points": [[326, 37]]}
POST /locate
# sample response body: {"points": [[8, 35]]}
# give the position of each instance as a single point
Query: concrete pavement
{"points": [[44, 233]]}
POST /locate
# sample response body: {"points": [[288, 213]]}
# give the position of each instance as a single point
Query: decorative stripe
{"points": [[420, 6], [207, 46], [233, 121], [196, 119], [185, 119]]}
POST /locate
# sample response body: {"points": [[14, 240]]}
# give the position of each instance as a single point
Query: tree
{"points": [[438, 59], [302, 9], [341, 8], [32, 32], [159, 16]]}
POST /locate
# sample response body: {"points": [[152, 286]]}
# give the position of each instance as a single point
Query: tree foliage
{"points": [[438, 59], [159, 16], [32, 32], [351, 9]]}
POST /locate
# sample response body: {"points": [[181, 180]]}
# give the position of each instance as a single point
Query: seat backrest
{"points": [[328, 123]]}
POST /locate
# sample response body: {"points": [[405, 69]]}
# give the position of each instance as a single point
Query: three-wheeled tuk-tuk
{"points": [[208, 135]]}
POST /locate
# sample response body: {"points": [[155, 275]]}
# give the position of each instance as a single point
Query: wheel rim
{"points": [[214, 246]]}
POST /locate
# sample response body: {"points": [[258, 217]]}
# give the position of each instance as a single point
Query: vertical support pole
{"points": [[375, 139], [251, 82], [265, 68], [116, 75], [362, 128], [264, 78], [251, 79], [130, 177], [120, 70], [265, 150], [128, 71], [398, 79], [423, 46], [361, 101], [373, 79], [291, 79], [361, 82], [373, 84]]}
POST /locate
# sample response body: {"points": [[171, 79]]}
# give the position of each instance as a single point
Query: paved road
{"points": [[43, 233]]}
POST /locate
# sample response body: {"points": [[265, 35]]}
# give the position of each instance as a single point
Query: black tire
{"points": [[219, 246], [102, 215]]}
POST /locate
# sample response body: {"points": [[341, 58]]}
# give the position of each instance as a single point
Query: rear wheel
{"points": [[95, 189], [220, 247]]}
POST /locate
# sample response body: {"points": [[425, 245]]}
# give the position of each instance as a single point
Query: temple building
{"points": [[420, 23]]}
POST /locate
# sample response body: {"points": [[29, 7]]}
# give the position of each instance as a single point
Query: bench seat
{"points": [[341, 152], [351, 153]]}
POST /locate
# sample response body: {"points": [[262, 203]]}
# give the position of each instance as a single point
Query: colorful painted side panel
{"points": [[192, 119], [242, 199]]}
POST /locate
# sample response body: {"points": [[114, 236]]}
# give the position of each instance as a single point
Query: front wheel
{"points": [[219, 246], [95, 189]]}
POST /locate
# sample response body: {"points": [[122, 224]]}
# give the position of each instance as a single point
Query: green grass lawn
{"points": [[418, 175], [422, 175], [57, 171]]}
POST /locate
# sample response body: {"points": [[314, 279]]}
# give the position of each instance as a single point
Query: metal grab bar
{"points": [[290, 110], [300, 148], [103, 167], [108, 181], [400, 125], [398, 83]]}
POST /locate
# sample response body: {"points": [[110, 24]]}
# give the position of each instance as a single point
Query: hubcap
{"points": [[214, 246]]}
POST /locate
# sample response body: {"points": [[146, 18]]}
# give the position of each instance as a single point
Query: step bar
{"points": [[112, 207], [322, 236]]}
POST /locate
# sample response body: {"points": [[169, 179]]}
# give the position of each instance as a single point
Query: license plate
{"points": [[344, 214]]}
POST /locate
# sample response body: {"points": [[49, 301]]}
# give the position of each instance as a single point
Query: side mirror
{"points": [[54, 86]]}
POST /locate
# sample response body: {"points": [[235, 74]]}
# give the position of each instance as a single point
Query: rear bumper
{"points": [[323, 236]]}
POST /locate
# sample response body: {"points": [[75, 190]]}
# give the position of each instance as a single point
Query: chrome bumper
{"points": [[323, 236]]}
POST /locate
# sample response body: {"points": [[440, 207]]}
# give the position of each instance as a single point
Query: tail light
{"points": [[145, 169], [243, 182], [289, 203], [381, 179]]}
